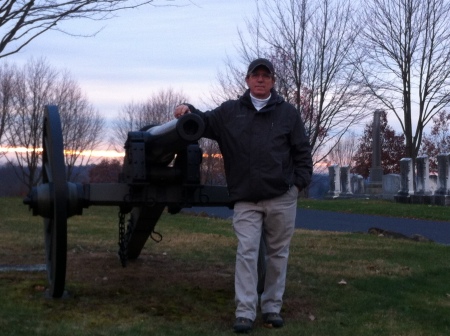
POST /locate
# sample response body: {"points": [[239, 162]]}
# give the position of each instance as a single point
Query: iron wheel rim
{"points": [[54, 173]]}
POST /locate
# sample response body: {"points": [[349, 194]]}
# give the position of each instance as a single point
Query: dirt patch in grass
{"points": [[158, 285], [163, 283]]}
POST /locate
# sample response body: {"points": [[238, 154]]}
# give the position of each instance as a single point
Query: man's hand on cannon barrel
{"points": [[181, 110]]}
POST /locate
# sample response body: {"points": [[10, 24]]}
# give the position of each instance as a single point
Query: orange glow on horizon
{"points": [[93, 153], [18, 150]]}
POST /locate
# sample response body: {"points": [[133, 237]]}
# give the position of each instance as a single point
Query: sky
{"points": [[180, 44], [145, 50]]}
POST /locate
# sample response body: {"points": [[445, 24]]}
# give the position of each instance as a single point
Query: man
{"points": [[267, 159]]}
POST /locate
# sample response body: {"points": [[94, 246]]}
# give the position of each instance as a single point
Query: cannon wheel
{"points": [[54, 173]]}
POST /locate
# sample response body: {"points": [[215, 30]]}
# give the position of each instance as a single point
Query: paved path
{"points": [[343, 222]]}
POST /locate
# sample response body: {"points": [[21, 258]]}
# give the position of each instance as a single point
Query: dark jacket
{"points": [[265, 152]]}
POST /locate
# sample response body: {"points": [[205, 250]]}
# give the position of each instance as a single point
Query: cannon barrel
{"points": [[189, 127], [148, 152], [162, 142]]}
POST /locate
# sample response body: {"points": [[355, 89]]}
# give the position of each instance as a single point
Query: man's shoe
{"points": [[273, 320], [242, 325]]}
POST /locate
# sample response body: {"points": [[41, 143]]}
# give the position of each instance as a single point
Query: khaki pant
{"points": [[275, 218]]}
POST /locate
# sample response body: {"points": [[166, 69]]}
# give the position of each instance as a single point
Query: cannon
{"points": [[161, 169]]}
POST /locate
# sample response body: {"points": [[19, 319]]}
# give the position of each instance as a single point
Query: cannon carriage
{"points": [[161, 169]]}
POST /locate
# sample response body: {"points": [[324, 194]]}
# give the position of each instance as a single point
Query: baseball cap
{"points": [[260, 62]]}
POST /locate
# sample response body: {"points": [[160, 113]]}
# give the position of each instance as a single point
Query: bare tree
{"points": [[7, 75], [82, 125], [37, 84], [23, 21], [311, 44], [33, 87], [407, 67], [155, 110], [437, 141], [344, 150], [230, 85]]}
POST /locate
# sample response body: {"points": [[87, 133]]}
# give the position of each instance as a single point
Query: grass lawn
{"points": [[338, 283], [379, 207]]}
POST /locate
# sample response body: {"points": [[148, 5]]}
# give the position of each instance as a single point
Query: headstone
{"points": [[391, 185], [406, 181], [335, 181], [433, 183], [443, 174], [357, 184], [345, 182], [423, 175], [442, 194], [422, 194]]}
